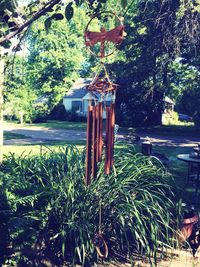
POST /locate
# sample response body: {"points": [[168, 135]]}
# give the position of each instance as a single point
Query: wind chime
{"points": [[100, 89]]}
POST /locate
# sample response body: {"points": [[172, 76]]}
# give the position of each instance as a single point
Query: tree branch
{"points": [[36, 16]]}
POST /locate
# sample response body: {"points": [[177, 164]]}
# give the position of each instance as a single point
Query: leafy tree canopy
{"points": [[157, 33]]}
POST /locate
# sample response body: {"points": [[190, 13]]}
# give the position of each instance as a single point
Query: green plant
{"points": [[57, 216]]}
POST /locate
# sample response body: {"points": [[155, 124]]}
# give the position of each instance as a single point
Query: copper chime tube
{"points": [[94, 142], [107, 148], [89, 146], [99, 132], [112, 123]]}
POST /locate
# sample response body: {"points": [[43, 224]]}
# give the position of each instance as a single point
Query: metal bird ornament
{"points": [[114, 36]]}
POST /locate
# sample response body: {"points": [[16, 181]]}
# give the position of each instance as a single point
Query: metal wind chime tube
{"points": [[94, 143], [89, 145], [99, 131], [101, 88], [112, 135], [110, 125]]}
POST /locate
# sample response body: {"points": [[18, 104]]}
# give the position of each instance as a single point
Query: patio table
{"points": [[191, 160]]}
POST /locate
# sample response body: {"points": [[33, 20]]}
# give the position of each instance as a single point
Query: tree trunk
{"points": [[1, 102]]}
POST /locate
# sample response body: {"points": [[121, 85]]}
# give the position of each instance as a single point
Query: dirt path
{"points": [[39, 135]]}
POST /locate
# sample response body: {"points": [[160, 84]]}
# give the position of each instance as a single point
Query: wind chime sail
{"points": [[100, 89]]}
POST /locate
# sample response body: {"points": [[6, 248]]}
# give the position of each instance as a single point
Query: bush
{"points": [[58, 113], [196, 119], [39, 113], [74, 116], [53, 208]]}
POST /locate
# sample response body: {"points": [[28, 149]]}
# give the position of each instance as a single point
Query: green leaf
{"points": [[124, 3], [57, 16], [6, 44], [47, 24], [69, 11], [78, 2]]}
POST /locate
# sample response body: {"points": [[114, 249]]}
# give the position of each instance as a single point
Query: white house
{"points": [[168, 104], [78, 97], [168, 112]]}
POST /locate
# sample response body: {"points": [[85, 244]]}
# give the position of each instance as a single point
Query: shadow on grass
{"points": [[10, 135], [187, 130]]}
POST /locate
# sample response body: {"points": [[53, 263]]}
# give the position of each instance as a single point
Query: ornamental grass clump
{"points": [[57, 216]]}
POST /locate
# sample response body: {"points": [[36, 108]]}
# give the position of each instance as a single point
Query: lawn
{"points": [[187, 130], [62, 125], [37, 148], [182, 130]]}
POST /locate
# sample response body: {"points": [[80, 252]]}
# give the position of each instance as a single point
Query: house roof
{"points": [[78, 89], [168, 100]]}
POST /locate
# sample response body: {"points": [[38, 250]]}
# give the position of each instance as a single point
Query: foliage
{"points": [[141, 74], [157, 32], [18, 96], [180, 76], [51, 207], [55, 57], [189, 100], [59, 113], [47, 70], [16, 19]]}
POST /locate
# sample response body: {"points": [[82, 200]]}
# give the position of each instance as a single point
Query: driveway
{"points": [[39, 135]]}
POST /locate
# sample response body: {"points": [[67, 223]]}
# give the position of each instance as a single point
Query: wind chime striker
{"points": [[100, 88]]}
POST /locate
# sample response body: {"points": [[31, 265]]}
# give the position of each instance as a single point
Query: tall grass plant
{"points": [[52, 212]]}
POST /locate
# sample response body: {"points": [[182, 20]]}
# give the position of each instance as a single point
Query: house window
{"points": [[77, 106]]}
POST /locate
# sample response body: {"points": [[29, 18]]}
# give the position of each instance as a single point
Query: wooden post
{"points": [[1, 102]]}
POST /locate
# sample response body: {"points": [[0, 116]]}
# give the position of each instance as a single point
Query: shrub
{"points": [[58, 113], [196, 119], [74, 116], [60, 215]]}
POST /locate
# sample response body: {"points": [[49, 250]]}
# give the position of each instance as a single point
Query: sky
{"points": [[23, 2]]}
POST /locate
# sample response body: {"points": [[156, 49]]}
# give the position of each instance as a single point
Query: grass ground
{"points": [[173, 130], [182, 130], [62, 125], [37, 148]]}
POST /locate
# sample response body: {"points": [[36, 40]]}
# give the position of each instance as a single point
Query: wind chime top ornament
{"points": [[104, 37]]}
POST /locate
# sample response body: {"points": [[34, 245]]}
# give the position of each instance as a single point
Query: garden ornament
{"points": [[101, 88], [115, 35], [191, 231], [100, 245]]}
